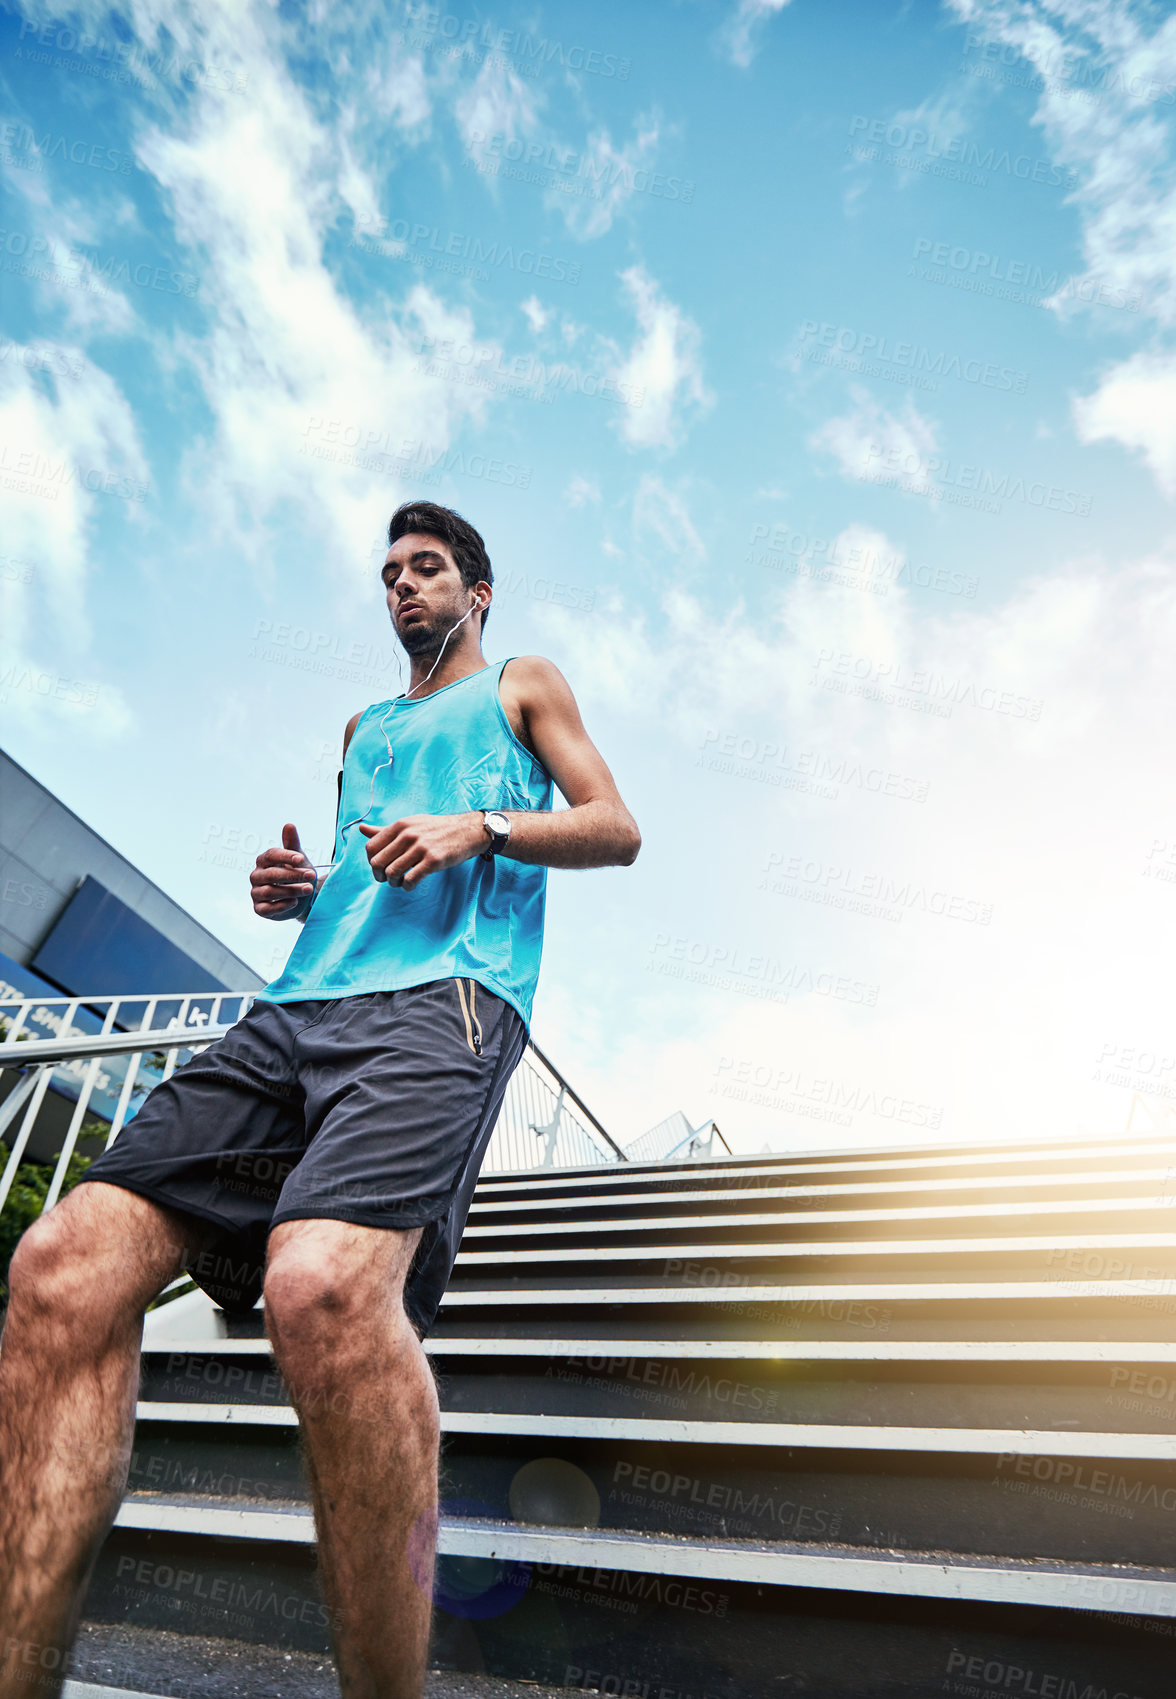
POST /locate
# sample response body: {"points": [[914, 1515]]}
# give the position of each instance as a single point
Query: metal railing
{"points": [[106, 1053], [675, 1140]]}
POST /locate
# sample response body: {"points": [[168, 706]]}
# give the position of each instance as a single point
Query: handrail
{"points": [[23, 1051], [694, 1133], [543, 1121], [575, 1098]]}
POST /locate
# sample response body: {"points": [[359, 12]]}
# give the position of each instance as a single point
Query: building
{"points": [[76, 917]]}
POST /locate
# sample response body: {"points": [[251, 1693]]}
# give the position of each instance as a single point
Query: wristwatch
{"points": [[497, 827]]}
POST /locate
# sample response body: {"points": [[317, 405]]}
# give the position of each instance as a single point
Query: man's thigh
{"points": [[116, 1244], [217, 1141]]}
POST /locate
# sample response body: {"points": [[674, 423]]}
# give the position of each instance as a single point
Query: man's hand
{"points": [[282, 879], [410, 849]]}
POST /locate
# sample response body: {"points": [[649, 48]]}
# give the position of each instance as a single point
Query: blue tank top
{"points": [[482, 920]]}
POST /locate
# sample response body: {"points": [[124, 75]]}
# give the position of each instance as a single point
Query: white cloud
{"points": [[580, 492], [1136, 406], [498, 103], [738, 35], [617, 173], [399, 90], [288, 365], [1008, 1029], [869, 438], [68, 445], [1105, 109], [52, 238], [591, 182], [661, 514], [537, 315], [663, 367]]}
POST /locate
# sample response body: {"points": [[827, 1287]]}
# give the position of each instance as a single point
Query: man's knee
{"points": [[47, 1273], [307, 1292], [90, 1257], [322, 1294]]}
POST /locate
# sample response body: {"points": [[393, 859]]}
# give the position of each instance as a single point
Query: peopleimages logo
{"points": [[510, 156], [1015, 1679], [21, 139], [909, 357], [913, 139], [920, 474], [978, 263], [394, 238], [529, 50]]}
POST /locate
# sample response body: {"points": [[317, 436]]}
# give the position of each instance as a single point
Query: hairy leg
{"points": [[79, 1282], [368, 1410]]}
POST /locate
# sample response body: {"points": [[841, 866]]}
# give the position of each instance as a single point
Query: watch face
{"points": [[498, 823]]}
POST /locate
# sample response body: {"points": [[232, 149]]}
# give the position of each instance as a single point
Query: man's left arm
{"points": [[595, 830]]}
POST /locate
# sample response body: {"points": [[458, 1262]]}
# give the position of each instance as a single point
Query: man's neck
{"points": [[459, 660]]}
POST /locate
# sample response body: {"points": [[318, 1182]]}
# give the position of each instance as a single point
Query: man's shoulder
{"points": [[532, 675], [349, 730]]}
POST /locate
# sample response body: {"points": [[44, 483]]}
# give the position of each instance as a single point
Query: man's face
{"points": [[425, 593]]}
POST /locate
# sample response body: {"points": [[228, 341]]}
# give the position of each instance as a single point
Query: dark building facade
{"points": [[78, 917]]}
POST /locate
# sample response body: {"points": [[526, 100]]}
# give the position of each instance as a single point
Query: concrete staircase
{"points": [[852, 1424]]}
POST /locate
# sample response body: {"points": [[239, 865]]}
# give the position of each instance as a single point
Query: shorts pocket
{"points": [[467, 997]]}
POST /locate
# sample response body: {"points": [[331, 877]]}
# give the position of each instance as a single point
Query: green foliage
{"points": [[27, 1197]]}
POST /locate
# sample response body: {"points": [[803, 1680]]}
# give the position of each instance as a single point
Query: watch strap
{"points": [[497, 839]]}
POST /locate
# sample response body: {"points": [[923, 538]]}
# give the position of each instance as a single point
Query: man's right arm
{"points": [[282, 881]]}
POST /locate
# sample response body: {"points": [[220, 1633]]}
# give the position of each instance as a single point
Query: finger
{"points": [[394, 826], [271, 908], [267, 891], [290, 837], [418, 871], [281, 858], [381, 854], [395, 870], [279, 876], [385, 848]]}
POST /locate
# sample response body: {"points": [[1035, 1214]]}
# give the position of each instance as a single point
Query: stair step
{"points": [[776, 1350], [1055, 1442], [91, 1690], [655, 1292], [818, 1220], [118, 1661], [1053, 1160], [1052, 1246], [944, 1575], [1163, 1178]]}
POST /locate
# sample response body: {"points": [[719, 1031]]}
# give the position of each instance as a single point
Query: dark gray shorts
{"points": [[374, 1109]]}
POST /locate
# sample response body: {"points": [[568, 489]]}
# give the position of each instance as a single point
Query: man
{"points": [[368, 1077]]}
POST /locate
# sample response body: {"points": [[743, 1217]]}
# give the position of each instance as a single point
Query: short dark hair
{"points": [[466, 545]]}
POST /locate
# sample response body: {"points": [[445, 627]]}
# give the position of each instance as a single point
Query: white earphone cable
{"points": [[372, 787]]}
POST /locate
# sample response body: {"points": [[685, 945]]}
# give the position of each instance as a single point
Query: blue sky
{"points": [[807, 369]]}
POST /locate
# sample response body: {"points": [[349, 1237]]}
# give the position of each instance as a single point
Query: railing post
{"points": [[550, 1131], [22, 1138]]}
